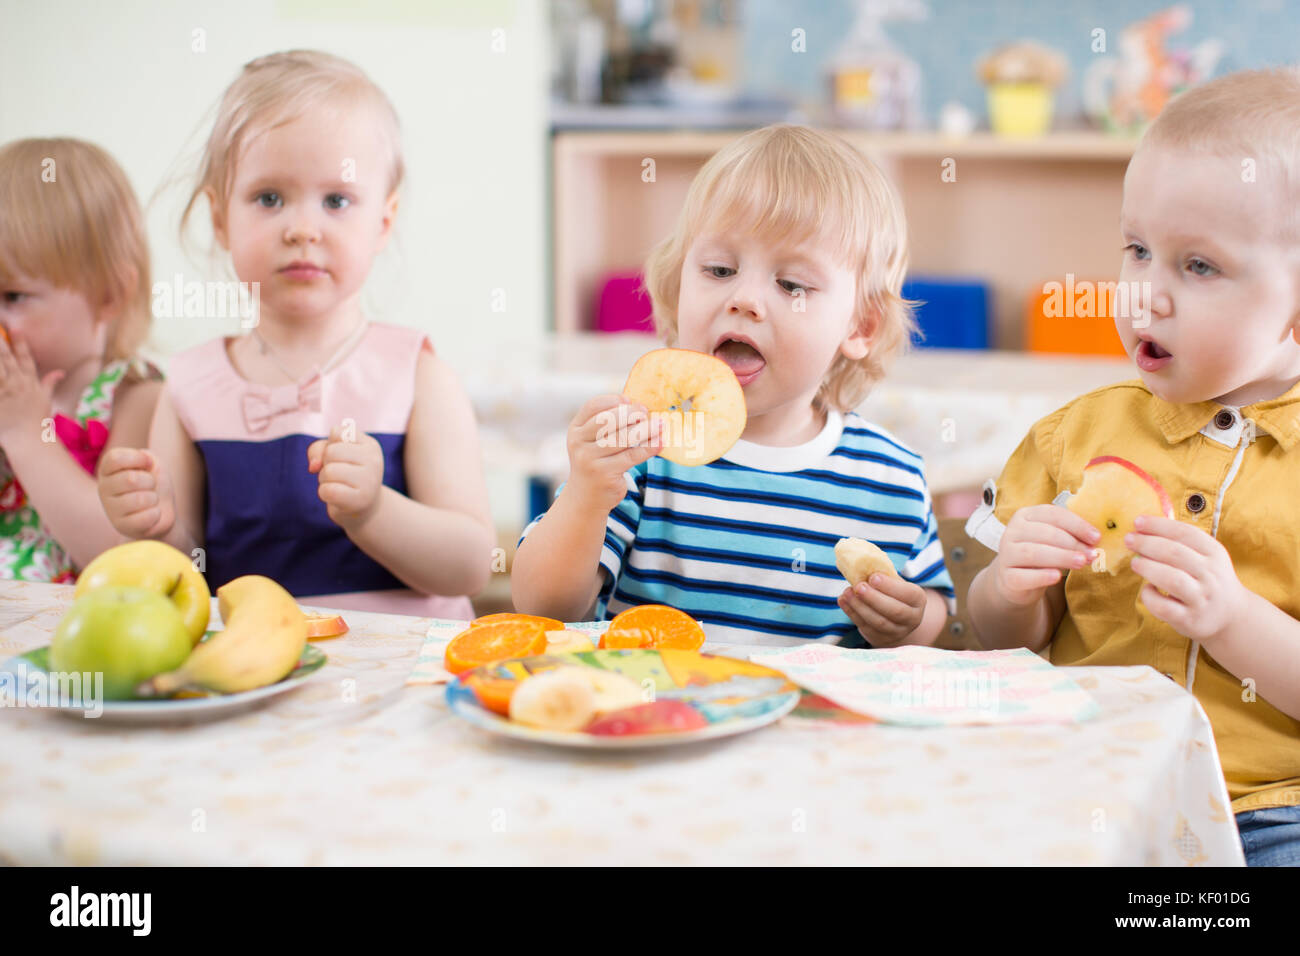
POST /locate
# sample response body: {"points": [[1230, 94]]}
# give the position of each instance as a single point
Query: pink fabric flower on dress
{"points": [[84, 444]]}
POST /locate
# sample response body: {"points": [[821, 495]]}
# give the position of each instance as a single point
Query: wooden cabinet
{"points": [[1017, 213]]}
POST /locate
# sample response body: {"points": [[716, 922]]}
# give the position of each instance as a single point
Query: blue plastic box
{"points": [[954, 313]]}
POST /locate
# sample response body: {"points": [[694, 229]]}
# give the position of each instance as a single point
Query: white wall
{"points": [[125, 74]]}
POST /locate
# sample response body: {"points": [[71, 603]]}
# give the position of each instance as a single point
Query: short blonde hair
{"points": [[1252, 114], [800, 184], [275, 90], [69, 216]]}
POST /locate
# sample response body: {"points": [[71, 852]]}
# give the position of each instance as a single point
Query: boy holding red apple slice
{"points": [[1209, 435], [721, 481]]}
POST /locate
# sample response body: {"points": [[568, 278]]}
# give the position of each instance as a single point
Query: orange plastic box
{"points": [[1075, 316]]}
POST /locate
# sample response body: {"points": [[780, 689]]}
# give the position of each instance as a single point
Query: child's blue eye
{"points": [[716, 271], [1200, 267], [13, 298], [1139, 250], [337, 201], [792, 287], [262, 198]]}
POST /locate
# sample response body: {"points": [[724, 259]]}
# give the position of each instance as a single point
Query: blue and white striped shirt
{"points": [[746, 543]]}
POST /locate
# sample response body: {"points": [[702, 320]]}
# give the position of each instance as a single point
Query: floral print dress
{"points": [[27, 550]]}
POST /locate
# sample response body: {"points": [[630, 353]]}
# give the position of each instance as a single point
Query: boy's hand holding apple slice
{"points": [[608, 436], [1039, 543], [1191, 583]]}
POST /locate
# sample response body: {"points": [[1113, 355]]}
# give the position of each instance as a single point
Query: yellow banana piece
{"points": [[265, 633]]}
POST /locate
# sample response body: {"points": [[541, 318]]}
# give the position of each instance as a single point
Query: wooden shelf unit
{"points": [[1020, 213]]}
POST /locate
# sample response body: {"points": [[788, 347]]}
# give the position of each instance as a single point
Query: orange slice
{"points": [[654, 625], [498, 641], [494, 693], [548, 623], [322, 626]]}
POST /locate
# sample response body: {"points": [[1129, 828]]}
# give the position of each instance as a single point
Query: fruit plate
{"points": [[197, 706], [733, 696]]}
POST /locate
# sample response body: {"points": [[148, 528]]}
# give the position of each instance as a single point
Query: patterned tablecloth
{"points": [[355, 767]]}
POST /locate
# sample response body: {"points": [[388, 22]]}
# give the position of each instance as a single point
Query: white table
{"points": [[357, 768]]}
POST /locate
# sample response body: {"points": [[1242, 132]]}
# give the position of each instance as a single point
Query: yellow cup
{"points": [[1020, 109]]}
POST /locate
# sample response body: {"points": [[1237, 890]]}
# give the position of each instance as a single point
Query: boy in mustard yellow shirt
{"points": [[1211, 232]]}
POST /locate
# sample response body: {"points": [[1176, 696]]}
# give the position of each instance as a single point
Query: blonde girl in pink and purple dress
{"points": [[334, 454]]}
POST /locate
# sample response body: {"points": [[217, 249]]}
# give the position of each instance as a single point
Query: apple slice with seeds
{"points": [[1114, 492]]}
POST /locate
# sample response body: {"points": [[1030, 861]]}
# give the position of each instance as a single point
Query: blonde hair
{"points": [[1252, 114], [275, 90], [800, 184], [69, 216]]}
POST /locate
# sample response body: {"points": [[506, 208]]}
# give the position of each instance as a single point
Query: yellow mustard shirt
{"points": [[1244, 492]]}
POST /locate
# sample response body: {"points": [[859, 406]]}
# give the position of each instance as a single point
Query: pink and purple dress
{"points": [[262, 514]]}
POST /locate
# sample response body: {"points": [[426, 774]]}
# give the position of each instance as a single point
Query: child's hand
{"points": [[608, 436], [136, 493], [885, 608], [1038, 544], [1203, 593], [351, 475], [25, 397]]}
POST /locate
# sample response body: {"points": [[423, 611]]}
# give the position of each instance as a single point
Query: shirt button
{"points": [[1196, 503], [988, 496], [1224, 420]]}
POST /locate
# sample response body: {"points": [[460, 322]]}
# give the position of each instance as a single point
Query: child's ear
{"points": [[218, 218], [857, 343], [390, 215], [115, 302]]}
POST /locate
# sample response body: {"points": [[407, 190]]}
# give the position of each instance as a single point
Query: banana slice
{"points": [[613, 691], [568, 641], [560, 699], [858, 560]]}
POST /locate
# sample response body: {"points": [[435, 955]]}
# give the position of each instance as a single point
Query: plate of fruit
{"points": [[135, 644], [618, 698]]}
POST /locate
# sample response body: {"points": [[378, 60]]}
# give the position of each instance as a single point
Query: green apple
{"points": [[128, 634], [158, 567]]}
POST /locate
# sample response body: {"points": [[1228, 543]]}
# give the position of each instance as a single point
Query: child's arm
{"points": [[59, 489], [1262, 643], [556, 571], [439, 540], [156, 492], [1205, 601], [1019, 599]]}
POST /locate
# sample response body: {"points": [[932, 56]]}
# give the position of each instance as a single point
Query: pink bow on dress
{"points": [[84, 444], [263, 403]]}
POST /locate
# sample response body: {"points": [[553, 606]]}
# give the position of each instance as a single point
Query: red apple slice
{"points": [[660, 717], [1114, 492], [697, 398]]}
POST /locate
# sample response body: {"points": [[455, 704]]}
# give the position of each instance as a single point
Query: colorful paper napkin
{"points": [[928, 687]]}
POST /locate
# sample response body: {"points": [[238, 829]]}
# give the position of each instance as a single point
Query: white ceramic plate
{"points": [[735, 696], [166, 710]]}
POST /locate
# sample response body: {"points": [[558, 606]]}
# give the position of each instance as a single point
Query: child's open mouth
{"points": [[1151, 356], [745, 360]]}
